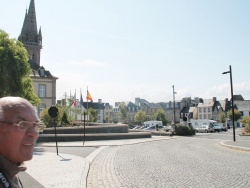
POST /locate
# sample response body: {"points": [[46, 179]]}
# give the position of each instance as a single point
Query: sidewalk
{"points": [[243, 145], [71, 171]]}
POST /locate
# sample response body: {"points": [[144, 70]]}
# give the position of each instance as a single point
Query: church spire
{"points": [[29, 36]]}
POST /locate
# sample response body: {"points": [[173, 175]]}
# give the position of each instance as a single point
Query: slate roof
{"points": [[238, 98], [94, 105], [206, 103]]}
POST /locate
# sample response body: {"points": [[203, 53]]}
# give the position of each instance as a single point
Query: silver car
{"points": [[204, 129]]}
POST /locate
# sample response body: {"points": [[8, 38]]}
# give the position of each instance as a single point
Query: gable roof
{"points": [[206, 103], [238, 98]]}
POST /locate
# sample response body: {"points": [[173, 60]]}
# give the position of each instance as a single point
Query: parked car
{"points": [[169, 128], [224, 128], [217, 128], [151, 128], [137, 127], [204, 129]]}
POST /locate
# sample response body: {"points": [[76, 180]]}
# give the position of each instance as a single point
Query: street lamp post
{"points": [[232, 98], [174, 104]]}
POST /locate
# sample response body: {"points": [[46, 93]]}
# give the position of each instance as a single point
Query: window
{"points": [[209, 116], [200, 116], [42, 90], [200, 111], [205, 116], [204, 109], [208, 109], [41, 107]]}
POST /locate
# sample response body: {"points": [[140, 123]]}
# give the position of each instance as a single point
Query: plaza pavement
{"points": [[65, 170]]}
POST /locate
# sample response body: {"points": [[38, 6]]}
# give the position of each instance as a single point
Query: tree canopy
{"points": [[237, 114], [92, 114], [222, 117], [123, 113], [160, 116], [15, 70], [140, 116]]}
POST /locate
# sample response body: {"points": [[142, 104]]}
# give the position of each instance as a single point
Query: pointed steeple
{"points": [[29, 36]]}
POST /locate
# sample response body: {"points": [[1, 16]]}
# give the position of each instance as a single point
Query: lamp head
{"points": [[226, 72]]}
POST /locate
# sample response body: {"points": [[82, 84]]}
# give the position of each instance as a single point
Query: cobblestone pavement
{"points": [[183, 162]]}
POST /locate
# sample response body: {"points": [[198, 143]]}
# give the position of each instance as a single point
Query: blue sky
{"points": [[123, 49]]}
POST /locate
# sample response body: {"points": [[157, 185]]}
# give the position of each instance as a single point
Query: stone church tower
{"points": [[29, 36], [44, 83]]}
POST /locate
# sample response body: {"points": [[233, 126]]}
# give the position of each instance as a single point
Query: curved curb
{"points": [[234, 147], [89, 159]]}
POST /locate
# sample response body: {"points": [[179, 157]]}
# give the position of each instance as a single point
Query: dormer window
{"points": [[41, 72]]}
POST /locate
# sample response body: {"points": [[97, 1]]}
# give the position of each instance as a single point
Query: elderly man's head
{"points": [[18, 129]]}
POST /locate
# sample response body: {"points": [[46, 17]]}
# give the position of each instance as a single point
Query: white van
{"points": [[152, 123], [197, 123]]}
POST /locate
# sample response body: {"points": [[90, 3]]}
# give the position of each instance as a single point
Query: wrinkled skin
{"points": [[15, 145]]}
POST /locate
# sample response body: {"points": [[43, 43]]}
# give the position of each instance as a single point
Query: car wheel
{"points": [[206, 131]]}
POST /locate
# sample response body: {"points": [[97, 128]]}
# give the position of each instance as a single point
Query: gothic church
{"points": [[44, 83]]}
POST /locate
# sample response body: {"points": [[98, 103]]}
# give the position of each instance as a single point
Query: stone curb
{"points": [[234, 147]]}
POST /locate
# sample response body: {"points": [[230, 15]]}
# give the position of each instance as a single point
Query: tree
{"points": [[92, 115], [123, 113], [222, 117], [237, 115], [15, 70], [140, 116], [65, 119], [246, 123], [160, 116]]}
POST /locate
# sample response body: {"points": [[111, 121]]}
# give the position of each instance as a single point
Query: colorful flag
{"points": [[89, 96], [75, 101]]}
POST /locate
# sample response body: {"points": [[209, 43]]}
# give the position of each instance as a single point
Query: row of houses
{"points": [[197, 108]]}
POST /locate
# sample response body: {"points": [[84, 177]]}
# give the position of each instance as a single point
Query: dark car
{"points": [[217, 128]]}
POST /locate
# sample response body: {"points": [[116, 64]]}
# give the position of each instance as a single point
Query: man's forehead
{"points": [[16, 107]]}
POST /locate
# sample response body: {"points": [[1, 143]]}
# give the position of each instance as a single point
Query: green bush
{"points": [[75, 123], [184, 130], [48, 121]]}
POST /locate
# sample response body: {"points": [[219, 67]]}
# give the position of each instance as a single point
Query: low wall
{"points": [[92, 128], [91, 137]]}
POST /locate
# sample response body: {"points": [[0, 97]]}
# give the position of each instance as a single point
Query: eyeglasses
{"points": [[27, 125]]}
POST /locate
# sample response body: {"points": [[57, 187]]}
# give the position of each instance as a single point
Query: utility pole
{"points": [[232, 97], [174, 104]]}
